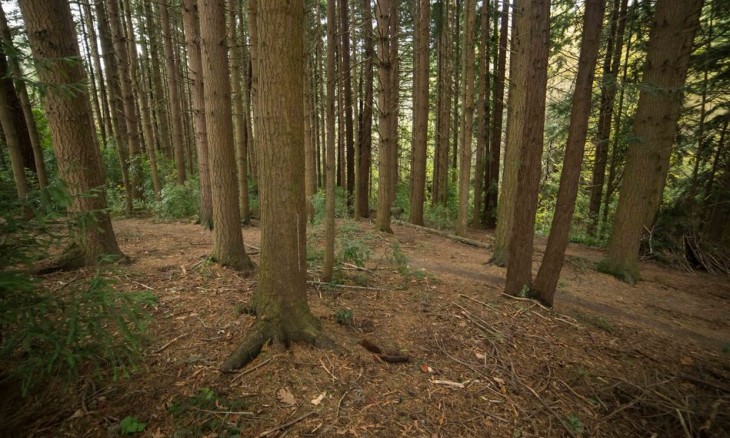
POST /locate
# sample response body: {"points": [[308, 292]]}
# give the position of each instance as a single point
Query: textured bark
{"points": [[106, 122], [443, 113], [536, 22], [191, 26], [384, 12], [281, 298], [228, 247], [237, 57], [495, 142], [395, 105], [653, 133], [159, 99], [611, 63], [467, 116], [420, 112], [329, 165], [18, 79], [516, 121], [253, 85], [552, 262], [52, 37], [483, 90], [174, 94], [366, 124], [347, 86]]}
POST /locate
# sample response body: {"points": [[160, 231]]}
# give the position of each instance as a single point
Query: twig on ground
{"points": [[529, 300], [346, 286], [287, 424], [250, 370], [161, 349]]}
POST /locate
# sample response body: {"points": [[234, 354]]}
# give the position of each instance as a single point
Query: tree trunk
{"points": [[420, 112], [443, 112], [191, 27], [173, 92], [483, 91], [281, 298], [552, 262], [253, 86], [467, 115], [384, 12], [125, 86], [17, 75], [236, 55], [228, 247], [535, 20], [52, 37], [347, 85], [516, 121], [329, 164], [495, 143], [611, 62], [160, 113], [11, 130], [654, 131], [362, 206]]}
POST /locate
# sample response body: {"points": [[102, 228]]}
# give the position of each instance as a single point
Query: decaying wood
{"points": [[448, 235]]}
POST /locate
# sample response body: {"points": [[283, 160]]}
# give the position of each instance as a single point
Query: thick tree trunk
{"points": [[191, 27], [495, 143], [443, 111], [654, 131], [237, 57], [467, 116], [52, 37], [384, 12], [536, 24], [281, 298], [173, 93], [330, 177], [362, 207], [420, 112], [552, 262], [228, 247]]}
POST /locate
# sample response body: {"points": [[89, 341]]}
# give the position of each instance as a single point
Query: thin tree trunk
{"points": [[483, 114], [253, 86], [347, 84], [467, 116], [11, 131], [420, 112], [443, 113], [385, 13], [329, 209], [173, 92], [237, 56], [495, 143], [362, 206], [552, 262]]}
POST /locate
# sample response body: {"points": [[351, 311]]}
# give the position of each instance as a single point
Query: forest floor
{"points": [[609, 360]]}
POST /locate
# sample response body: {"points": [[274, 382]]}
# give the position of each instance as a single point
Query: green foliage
{"points": [[355, 251], [198, 414], [398, 258], [131, 425], [575, 423], [179, 201], [344, 316], [440, 217], [319, 200]]}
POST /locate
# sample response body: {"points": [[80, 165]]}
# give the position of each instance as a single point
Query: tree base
{"points": [[74, 257], [621, 273]]}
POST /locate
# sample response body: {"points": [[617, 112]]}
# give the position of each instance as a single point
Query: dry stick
{"points": [[346, 286], [161, 349], [287, 424], [224, 412], [460, 239], [547, 406], [489, 306], [684, 425], [250, 370], [529, 300]]}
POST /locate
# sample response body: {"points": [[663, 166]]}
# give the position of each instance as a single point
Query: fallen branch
{"points": [[346, 286], [460, 239], [529, 300], [161, 349], [287, 424], [252, 369]]}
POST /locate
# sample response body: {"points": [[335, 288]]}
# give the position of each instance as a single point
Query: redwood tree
{"points": [[653, 133]]}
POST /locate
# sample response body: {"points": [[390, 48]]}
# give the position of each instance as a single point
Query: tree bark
{"points": [[443, 111], [384, 14], [11, 131], [281, 298], [483, 114], [173, 93], [552, 262], [362, 206], [330, 177], [420, 112], [228, 247], [347, 85], [53, 42], [654, 131], [467, 116], [536, 24], [237, 55]]}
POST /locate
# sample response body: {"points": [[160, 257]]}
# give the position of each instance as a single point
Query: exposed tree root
{"points": [[74, 257]]}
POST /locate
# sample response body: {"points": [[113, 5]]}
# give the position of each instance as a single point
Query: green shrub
{"points": [[179, 201], [319, 200]]}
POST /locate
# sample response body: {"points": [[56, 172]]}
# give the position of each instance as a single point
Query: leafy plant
{"points": [[199, 414], [575, 423], [131, 425], [344, 316], [179, 201]]}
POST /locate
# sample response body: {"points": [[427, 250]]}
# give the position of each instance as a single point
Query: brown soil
{"points": [[609, 360]]}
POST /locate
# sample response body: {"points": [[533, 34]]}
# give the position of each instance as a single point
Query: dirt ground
{"points": [[609, 360]]}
